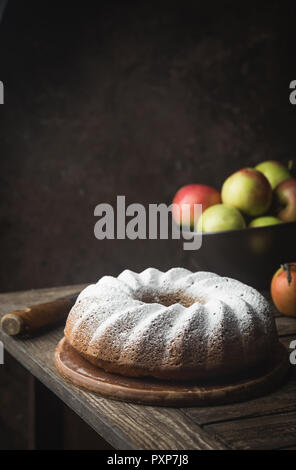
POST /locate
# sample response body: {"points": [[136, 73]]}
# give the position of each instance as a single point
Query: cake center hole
{"points": [[169, 299]]}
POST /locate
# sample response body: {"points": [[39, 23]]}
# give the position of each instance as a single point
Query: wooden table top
{"points": [[264, 423]]}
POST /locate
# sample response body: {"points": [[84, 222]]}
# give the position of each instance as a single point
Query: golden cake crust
{"points": [[176, 325]]}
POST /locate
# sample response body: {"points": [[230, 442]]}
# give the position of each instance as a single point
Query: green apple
{"points": [[220, 217], [264, 221], [274, 171], [248, 191]]}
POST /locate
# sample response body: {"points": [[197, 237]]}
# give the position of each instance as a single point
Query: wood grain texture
{"points": [[286, 326], [236, 418], [262, 433], [280, 401], [125, 426]]}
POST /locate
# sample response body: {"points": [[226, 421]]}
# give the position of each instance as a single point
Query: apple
{"points": [[220, 217], [248, 191], [283, 289], [264, 221], [285, 200], [190, 195], [274, 171]]}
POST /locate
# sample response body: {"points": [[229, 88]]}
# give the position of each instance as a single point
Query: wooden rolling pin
{"points": [[32, 319]]}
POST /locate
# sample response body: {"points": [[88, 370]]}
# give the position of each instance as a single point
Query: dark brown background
{"points": [[128, 97], [134, 98]]}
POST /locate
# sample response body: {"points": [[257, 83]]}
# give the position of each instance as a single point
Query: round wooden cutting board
{"points": [[162, 393]]}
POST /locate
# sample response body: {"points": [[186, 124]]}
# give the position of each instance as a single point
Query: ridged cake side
{"points": [[226, 328]]}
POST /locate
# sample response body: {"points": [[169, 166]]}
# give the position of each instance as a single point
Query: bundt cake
{"points": [[174, 325]]}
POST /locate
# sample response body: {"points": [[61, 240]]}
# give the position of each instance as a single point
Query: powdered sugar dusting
{"points": [[113, 319]]}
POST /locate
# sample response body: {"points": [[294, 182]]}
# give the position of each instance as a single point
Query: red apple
{"points": [[285, 200], [248, 191], [190, 195], [283, 289]]}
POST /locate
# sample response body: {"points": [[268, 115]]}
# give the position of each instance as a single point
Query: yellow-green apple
{"points": [[188, 196], [264, 221], [283, 289], [220, 217], [274, 171], [248, 191], [285, 200]]}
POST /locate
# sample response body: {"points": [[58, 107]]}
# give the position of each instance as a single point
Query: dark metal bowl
{"points": [[250, 255]]}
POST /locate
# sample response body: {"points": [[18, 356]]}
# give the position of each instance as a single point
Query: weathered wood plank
{"points": [[128, 426], [263, 433], [124, 426], [21, 299], [280, 401], [286, 326]]}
